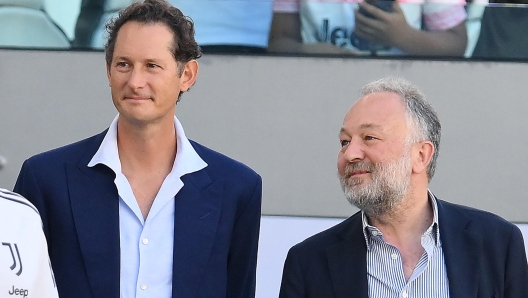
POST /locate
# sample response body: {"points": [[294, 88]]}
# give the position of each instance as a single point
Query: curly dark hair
{"points": [[185, 47]]}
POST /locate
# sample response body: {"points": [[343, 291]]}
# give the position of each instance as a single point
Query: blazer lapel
{"points": [[95, 209], [462, 251], [347, 261], [197, 213]]}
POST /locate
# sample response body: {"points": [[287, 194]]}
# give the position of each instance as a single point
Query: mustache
{"points": [[358, 167]]}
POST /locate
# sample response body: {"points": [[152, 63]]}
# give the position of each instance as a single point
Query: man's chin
{"points": [[357, 188], [354, 199]]}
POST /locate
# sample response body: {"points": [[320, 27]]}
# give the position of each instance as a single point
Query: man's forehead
{"points": [[378, 103], [376, 110], [153, 41]]}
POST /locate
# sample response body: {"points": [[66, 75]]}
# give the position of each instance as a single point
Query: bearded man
{"points": [[404, 242]]}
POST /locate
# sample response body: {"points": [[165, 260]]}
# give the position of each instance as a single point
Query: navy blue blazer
{"points": [[484, 254], [216, 223]]}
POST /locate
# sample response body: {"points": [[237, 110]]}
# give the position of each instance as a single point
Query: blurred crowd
{"points": [[442, 28]]}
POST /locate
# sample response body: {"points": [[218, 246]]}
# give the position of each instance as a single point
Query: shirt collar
{"points": [[188, 160], [434, 228]]}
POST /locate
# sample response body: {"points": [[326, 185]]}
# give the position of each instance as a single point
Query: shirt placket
{"points": [[428, 245], [142, 286]]}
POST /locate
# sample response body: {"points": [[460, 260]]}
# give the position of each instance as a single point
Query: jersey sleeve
{"points": [[443, 16]]}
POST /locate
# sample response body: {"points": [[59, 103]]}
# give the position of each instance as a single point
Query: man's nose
{"points": [[354, 151], [137, 79]]}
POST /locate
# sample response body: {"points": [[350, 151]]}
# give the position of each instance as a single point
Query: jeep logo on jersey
{"points": [[13, 256], [19, 292]]}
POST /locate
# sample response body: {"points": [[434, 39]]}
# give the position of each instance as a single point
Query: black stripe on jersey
{"points": [[14, 197]]}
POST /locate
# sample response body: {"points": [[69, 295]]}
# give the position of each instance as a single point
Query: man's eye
{"points": [[121, 64], [344, 143], [151, 65], [369, 138]]}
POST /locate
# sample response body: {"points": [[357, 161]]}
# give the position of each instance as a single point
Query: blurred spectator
{"points": [[89, 17], [329, 26], [94, 14], [504, 31], [229, 25], [221, 25], [475, 10]]}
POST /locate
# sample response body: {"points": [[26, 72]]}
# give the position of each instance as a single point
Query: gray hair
{"points": [[422, 117]]}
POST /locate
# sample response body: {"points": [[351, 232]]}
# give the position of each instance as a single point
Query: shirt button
{"points": [[394, 256], [375, 233], [404, 294], [144, 241], [143, 287]]}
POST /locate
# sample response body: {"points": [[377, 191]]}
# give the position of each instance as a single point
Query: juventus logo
{"points": [[15, 259]]}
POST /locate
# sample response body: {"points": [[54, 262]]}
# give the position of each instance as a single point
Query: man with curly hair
{"points": [[139, 210]]}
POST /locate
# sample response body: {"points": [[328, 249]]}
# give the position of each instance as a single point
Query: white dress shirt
{"points": [[147, 245]]}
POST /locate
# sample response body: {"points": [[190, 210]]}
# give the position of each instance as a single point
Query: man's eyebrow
{"points": [[362, 126], [147, 60], [121, 58], [153, 60]]}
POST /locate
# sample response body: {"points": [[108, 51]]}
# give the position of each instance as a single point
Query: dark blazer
{"points": [[216, 223], [484, 254]]}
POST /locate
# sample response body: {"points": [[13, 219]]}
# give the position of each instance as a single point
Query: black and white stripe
{"points": [[14, 197], [385, 274]]}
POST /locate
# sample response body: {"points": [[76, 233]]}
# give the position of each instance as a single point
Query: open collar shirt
{"points": [[385, 274], [147, 244]]}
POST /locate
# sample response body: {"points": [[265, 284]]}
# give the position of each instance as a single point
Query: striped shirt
{"points": [[385, 274]]}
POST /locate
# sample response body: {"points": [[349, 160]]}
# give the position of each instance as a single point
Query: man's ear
{"points": [[422, 153], [108, 73], [188, 75]]}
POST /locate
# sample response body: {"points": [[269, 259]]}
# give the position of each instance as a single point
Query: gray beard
{"points": [[390, 182]]}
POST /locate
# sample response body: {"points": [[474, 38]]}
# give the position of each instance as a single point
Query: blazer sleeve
{"points": [[27, 186], [242, 262], [516, 279], [292, 285]]}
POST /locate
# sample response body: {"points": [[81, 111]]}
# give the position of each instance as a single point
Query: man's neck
{"points": [[408, 221], [403, 228], [147, 155], [146, 148]]}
